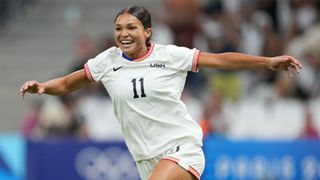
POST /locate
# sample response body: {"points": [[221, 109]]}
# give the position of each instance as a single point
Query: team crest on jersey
{"points": [[157, 65]]}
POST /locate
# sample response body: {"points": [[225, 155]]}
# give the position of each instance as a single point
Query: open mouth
{"points": [[126, 43]]}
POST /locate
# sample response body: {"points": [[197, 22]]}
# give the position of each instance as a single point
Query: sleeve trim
{"points": [[88, 73], [195, 60]]}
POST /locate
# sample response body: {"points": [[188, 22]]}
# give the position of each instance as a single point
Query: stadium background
{"points": [[257, 124]]}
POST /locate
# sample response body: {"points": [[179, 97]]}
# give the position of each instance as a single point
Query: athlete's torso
{"points": [[146, 96]]}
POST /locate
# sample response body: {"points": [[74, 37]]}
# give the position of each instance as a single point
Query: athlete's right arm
{"points": [[59, 86]]}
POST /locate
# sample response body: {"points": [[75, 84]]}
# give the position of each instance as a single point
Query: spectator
{"points": [[309, 131], [183, 18], [97, 117], [57, 119], [30, 123], [307, 47], [215, 120]]}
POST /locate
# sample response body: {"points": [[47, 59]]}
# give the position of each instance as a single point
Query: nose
{"points": [[124, 33]]}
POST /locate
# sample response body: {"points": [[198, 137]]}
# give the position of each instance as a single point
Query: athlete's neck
{"points": [[127, 57], [132, 57]]}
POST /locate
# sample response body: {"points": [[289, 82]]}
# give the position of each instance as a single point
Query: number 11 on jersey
{"points": [[134, 86]]}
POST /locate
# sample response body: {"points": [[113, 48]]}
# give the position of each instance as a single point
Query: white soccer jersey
{"points": [[146, 96]]}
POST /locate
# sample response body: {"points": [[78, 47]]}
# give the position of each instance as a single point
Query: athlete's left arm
{"points": [[234, 60]]}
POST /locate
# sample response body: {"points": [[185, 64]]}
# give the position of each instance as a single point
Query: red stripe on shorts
{"points": [[190, 168]]}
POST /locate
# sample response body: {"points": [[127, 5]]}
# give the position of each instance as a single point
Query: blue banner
{"points": [[226, 159], [12, 157], [65, 159]]}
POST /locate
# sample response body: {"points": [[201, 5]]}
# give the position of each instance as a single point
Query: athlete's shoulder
{"points": [[112, 51], [99, 65], [172, 49], [165, 48], [108, 54], [178, 52], [169, 47]]}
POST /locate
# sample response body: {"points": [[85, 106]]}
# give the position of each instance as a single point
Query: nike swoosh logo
{"points": [[116, 68]]}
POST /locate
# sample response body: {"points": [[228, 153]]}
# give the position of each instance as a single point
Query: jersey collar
{"points": [[143, 57]]}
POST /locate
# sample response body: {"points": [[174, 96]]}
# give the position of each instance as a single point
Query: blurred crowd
{"points": [[249, 104]]}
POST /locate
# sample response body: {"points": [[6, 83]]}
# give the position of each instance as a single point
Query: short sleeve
{"points": [[183, 58], [95, 68]]}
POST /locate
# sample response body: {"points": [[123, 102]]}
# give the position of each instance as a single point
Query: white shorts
{"points": [[189, 156]]}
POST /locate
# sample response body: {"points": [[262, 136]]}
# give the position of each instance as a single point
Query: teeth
{"points": [[125, 42]]}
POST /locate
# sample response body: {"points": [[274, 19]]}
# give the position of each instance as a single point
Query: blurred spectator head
{"points": [[182, 18], [182, 10], [55, 117]]}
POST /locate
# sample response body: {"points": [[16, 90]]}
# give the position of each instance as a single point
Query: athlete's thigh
{"points": [[169, 170]]}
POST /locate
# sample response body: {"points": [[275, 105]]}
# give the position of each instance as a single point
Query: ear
{"points": [[148, 32]]}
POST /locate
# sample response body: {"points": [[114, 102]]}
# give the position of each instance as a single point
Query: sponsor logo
{"points": [[173, 150], [116, 68], [157, 65]]}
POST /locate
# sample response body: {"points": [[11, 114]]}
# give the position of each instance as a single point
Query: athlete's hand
{"points": [[31, 87], [285, 63]]}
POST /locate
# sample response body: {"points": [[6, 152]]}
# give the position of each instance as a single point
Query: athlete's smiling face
{"points": [[130, 35]]}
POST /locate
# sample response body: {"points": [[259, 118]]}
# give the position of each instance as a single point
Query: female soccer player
{"points": [[145, 81]]}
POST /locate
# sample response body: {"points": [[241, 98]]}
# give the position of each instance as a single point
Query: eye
{"points": [[132, 27], [117, 28]]}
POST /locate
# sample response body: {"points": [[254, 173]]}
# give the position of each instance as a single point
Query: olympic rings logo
{"points": [[112, 163]]}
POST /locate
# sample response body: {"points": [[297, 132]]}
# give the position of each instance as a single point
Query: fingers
{"points": [[22, 94], [41, 91], [23, 89], [294, 65], [25, 86], [297, 65], [29, 86], [291, 71]]}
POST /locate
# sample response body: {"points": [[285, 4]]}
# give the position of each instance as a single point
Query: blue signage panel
{"points": [[247, 160], [61, 159], [12, 157]]}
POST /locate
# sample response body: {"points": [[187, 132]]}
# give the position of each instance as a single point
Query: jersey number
{"points": [[134, 85]]}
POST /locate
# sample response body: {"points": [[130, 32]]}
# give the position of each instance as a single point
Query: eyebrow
{"points": [[129, 24]]}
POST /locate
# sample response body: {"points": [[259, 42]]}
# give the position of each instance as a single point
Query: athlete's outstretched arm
{"points": [[58, 86], [244, 61]]}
